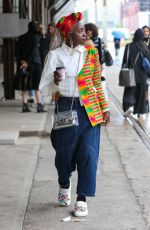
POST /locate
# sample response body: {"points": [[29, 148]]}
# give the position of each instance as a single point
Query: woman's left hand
{"points": [[106, 118]]}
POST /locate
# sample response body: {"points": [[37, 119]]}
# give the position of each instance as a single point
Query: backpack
{"points": [[145, 63]]}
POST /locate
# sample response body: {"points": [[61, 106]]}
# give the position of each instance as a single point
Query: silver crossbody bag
{"points": [[65, 119]]}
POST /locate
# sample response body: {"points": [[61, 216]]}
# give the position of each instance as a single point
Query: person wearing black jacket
{"points": [[92, 33], [146, 30], [29, 63], [135, 96]]}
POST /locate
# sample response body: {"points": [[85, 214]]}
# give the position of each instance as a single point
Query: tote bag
{"points": [[127, 75]]}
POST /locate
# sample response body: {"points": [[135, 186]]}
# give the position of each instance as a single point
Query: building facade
{"points": [[14, 18], [135, 14]]}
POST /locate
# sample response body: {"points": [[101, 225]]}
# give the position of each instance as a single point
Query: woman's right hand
{"points": [[24, 64], [57, 77]]}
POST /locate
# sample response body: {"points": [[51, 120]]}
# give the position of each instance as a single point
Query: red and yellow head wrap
{"points": [[66, 23]]}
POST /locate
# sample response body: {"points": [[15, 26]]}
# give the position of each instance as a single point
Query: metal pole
{"points": [[96, 11], [30, 10], [8, 50], [43, 13], [105, 21]]}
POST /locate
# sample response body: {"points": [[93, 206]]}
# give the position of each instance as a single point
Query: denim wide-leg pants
{"points": [[77, 148]]}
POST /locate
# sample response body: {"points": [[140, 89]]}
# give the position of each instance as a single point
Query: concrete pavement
{"points": [[19, 156]]}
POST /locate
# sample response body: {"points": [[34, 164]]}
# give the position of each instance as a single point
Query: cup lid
{"points": [[60, 67]]}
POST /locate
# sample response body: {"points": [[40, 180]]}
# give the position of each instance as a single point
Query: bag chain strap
{"points": [[74, 88], [128, 56]]}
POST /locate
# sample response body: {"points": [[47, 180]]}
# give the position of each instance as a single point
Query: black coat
{"points": [[134, 51], [44, 46], [135, 96], [27, 48], [99, 44]]}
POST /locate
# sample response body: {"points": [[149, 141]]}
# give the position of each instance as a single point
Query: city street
{"points": [[28, 185]]}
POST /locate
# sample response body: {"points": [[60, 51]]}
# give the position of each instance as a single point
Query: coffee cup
{"points": [[61, 70]]}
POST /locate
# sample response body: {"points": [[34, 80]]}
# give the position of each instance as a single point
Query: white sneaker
{"points": [[128, 112], [80, 209], [64, 196]]}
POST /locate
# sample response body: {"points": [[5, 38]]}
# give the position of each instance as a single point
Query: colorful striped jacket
{"points": [[90, 88]]}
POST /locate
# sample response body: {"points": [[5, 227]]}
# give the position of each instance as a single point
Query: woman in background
{"points": [[135, 96], [146, 30], [94, 39]]}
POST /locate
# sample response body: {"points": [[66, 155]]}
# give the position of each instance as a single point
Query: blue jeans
{"points": [[31, 93], [77, 148]]}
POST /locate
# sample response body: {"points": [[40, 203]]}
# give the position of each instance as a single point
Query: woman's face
{"points": [[51, 29], [77, 34], [89, 34], [146, 32]]}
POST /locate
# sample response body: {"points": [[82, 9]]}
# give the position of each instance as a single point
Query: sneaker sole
{"points": [[80, 214], [64, 205]]}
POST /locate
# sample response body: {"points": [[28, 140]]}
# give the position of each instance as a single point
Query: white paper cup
{"points": [[62, 71]]}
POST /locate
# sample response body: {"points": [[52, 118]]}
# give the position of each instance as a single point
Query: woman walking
{"points": [[135, 96], [76, 146], [29, 64], [146, 31]]}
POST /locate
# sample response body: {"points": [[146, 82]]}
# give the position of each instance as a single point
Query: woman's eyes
{"points": [[80, 30]]}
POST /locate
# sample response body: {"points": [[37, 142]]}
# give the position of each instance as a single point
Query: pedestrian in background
{"points": [[92, 34], [44, 42], [117, 45], [135, 96], [29, 62], [51, 31], [81, 90], [146, 30]]}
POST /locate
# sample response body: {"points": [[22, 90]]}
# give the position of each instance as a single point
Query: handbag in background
{"points": [[108, 58], [127, 75], [22, 80]]}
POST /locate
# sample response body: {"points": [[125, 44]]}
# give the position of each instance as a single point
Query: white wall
{"points": [[113, 11], [143, 19], [87, 5]]}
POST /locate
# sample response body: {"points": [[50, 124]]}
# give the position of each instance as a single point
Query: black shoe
{"points": [[40, 108], [31, 100], [25, 108]]}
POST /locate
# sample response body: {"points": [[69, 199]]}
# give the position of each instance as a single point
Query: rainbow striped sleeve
{"points": [[97, 82]]}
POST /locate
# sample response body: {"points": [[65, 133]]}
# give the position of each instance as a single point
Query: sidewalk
{"points": [[19, 156], [14, 123]]}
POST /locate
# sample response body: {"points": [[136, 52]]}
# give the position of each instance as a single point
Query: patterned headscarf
{"points": [[66, 23]]}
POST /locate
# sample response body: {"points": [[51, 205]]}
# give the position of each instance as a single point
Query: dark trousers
{"points": [[77, 147]]}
